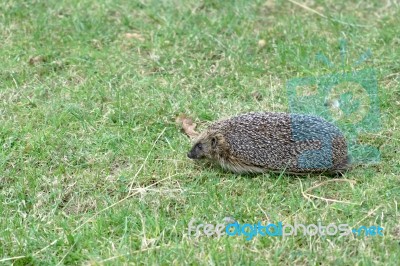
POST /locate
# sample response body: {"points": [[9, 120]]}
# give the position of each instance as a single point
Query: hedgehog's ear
{"points": [[214, 142]]}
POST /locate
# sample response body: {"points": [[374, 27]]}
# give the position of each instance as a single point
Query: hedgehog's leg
{"points": [[341, 168]]}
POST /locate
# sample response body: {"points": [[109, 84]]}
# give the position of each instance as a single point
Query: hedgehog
{"points": [[273, 142]]}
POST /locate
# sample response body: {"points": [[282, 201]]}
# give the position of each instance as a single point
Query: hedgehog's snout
{"points": [[191, 155], [196, 152]]}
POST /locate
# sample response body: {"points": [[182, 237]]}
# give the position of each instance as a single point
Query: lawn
{"points": [[93, 167]]}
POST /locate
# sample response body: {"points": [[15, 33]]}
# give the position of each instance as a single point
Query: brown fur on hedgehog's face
{"points": [[208, 146]]}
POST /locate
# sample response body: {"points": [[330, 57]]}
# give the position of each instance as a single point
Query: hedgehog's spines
{"points": [[259, 142]]}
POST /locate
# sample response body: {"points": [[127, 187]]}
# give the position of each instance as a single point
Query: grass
{"points": [[93, 169]]}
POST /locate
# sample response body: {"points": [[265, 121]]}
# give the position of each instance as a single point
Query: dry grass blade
{"points": [[322, 15], [136, 36], [12, 258], [145, 160], [308, 8], [309, 196]]}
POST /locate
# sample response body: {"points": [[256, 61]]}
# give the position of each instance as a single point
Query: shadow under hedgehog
{"points": [[274, 142]]}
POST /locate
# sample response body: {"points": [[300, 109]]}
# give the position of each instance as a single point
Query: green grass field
{"points": [[93, 168]]}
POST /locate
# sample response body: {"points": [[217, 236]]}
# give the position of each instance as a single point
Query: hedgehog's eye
{"points": [[213, 142], [199, 146]]}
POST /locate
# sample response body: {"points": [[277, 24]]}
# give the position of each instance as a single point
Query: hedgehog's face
{"points": [[206, 147]]}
